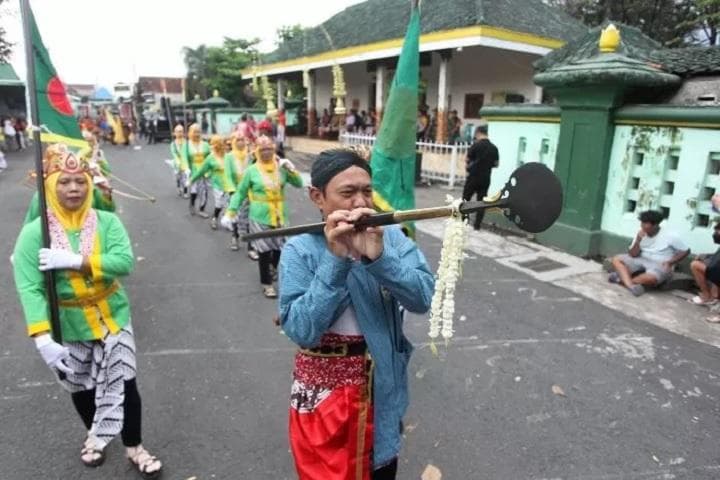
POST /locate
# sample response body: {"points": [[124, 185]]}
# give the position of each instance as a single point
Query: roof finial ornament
{"points": [[609, 39]]}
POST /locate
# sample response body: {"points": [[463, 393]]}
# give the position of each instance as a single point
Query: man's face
{"points": [[649, 228], [348, 190], [72, 189]]}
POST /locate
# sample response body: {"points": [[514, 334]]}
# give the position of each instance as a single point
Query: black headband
{"points": [[331, 162]]}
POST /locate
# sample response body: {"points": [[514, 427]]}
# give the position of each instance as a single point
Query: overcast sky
{"points": [[103, 41]]}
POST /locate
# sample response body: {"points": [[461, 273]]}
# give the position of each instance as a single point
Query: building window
{"points": [[473, 104]]}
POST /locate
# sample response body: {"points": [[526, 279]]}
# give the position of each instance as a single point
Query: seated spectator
{"points": [[651, 258], [705, 270]]}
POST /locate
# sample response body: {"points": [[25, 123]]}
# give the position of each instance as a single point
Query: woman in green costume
{"points": [[90, 251], [263, 184]]}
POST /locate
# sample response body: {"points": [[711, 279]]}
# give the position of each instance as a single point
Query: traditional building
{"points": [[633, 127], [473, 53], [152, 88]]}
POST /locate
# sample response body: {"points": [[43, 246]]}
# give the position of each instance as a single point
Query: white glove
{"points": [[58, 259], [53, 353], [287, 164], [227, 222], [100, 180]]}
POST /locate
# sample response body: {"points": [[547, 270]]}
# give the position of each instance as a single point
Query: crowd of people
{"points": [[655, 254], [366, 123], [13, 130], [341, 294], [246, 177]]}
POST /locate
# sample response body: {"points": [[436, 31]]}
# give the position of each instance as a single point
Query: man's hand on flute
{"points": [[344, 240]]}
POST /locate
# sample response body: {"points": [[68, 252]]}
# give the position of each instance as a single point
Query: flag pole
{"points": [[31, 86]]}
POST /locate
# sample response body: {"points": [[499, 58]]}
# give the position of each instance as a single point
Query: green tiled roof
{"points": [[638, 46], [378, 20], [8, 75], [688, 61]]}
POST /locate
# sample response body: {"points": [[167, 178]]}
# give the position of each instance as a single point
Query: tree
{"points": [[702, 22], [670, 22], [218, 68], [287, 33], [5, 46]]}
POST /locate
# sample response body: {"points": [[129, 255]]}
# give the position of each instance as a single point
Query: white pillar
{"points": [[281, 94], [538, 94], [380, 74]]}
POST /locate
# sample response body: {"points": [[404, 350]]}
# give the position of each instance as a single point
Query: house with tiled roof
{"points": [[632, 127], [473, 52], [697, 67], [152, 88]]}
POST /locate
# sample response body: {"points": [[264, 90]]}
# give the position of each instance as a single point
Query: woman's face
{"points": [[267, 151], [72, 190]]}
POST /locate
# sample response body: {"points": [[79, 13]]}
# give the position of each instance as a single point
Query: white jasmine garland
{"points": [[442, 308]]}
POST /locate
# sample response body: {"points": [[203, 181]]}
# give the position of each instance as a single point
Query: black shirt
{"points": [[482, 157]]}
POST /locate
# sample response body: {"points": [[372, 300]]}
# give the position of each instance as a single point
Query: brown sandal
{"points": [[144, 462]]}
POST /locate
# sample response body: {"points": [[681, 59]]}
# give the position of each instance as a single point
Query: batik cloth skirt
{"points": [[264, 244], [104, 365], [331, 414], [201, 187], [220, 198], [242, 218]]}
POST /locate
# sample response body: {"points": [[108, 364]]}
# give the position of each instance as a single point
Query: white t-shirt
{"points": [[346, 324], [9, 129], [662, 247]]}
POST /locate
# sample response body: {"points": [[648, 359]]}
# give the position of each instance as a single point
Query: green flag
{"points": [[393, 156], [57, 119]]}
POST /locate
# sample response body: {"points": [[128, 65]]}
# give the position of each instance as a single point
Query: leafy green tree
{"points": [[5, 46], [670, 22], [218, 68], [287, 33]]}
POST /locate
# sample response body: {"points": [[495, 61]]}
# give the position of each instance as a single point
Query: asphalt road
{"points": [[538, 383]]}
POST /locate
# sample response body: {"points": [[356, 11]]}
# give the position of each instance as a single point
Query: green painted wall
{"points": [[674, 169], [520, 142]]}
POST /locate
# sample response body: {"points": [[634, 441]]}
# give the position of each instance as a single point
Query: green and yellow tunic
{"points": [[179, 152], [90, 304], [222, 171], [197, 153], [264, 186]]}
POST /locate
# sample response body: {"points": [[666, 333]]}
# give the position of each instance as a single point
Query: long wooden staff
{"points": [[532, 199]]}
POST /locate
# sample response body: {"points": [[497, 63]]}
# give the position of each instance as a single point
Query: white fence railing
{"points": [[441, 162]]}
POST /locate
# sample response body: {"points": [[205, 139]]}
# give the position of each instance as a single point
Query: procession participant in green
{"points": [[241, 158], [180, 163], [220, 166], [263, 184], [198, 150], [90, 250]]}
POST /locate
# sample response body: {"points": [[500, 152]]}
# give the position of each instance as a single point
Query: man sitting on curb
{"points": [[651, 258], [705, 270]]}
